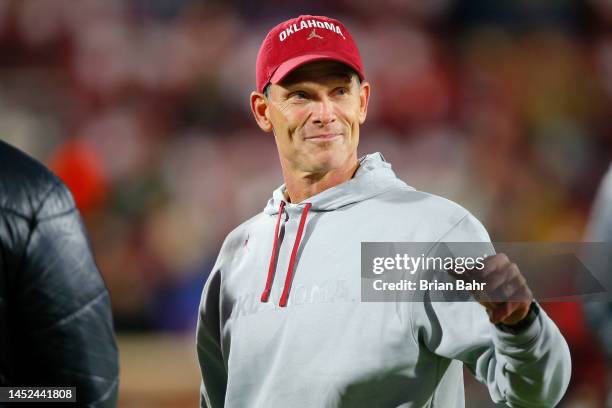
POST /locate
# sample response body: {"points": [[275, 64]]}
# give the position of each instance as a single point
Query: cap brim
{"points": [[288, 66]]}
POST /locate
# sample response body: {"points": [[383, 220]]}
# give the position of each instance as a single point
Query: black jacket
{"points": [[55, 318]]}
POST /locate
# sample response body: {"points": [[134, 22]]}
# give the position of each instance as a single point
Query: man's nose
{"points": [[323, 112]]}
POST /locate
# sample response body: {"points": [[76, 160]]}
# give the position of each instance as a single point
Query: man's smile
{"points": [[325, 137]]}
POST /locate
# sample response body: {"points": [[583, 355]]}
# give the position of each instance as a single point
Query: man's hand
{"points": [[506, 295]]}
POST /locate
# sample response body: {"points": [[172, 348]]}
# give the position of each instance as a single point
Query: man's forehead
{"points": [[319, 71]]}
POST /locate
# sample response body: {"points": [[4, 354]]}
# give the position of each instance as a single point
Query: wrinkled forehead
{"points": [[320, 71]]}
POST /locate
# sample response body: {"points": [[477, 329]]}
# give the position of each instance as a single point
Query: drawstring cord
{"points": [[290, 269], [266, 293], [296, 245]]}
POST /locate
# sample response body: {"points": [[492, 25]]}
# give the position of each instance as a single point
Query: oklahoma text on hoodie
{"points": [[282, 325]]}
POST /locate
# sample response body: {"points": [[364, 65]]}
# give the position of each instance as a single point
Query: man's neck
{"points": [[303, 185]]}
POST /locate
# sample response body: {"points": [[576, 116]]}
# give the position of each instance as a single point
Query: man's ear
{"points": [[259, 107], [364, 99]]}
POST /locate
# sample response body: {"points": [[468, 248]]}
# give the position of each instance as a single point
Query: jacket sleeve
{"points": [[210, 354], [64, 308], [531, 368], [599, 313]]}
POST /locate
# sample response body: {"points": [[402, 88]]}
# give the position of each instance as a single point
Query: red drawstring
{"points": [[296, 244], [298, 238], [266, 293]]}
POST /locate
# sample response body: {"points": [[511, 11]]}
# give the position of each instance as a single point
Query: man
{"points": [[281, 321], [55, 318], [597, 313]]}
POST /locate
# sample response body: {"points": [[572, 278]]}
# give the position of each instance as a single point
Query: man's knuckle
{"points": [[514, 270], [503, 258]]}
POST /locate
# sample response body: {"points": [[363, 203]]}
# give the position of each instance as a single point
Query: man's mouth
{"points": [[324, 137]]}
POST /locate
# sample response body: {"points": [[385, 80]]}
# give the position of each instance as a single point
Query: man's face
{"points": [[315, 113]]}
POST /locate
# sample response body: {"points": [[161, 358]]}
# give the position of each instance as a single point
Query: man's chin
{"points": [[326, 160]]}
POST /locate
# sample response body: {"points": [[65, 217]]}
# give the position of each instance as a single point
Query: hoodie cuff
{"points": [[523, 335]]}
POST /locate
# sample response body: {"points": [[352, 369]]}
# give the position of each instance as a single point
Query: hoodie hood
{"points": [[373, 177]]}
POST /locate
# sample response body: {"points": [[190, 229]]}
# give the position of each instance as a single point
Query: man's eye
{"points": [[299, 95], [342, 91]]}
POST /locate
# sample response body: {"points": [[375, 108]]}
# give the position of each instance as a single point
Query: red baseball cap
{"points": [[301, 40]]}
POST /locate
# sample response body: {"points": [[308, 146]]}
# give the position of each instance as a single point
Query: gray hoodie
{"points": [[282, 323]]}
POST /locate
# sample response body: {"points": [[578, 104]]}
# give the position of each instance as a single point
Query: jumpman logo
{"points": [[313, 34]]}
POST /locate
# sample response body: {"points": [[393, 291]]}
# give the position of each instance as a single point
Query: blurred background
{"points": [[141, 107]]}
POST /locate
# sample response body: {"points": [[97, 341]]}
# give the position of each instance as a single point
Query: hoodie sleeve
{"points": [[210, 355], [531, 368]]}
